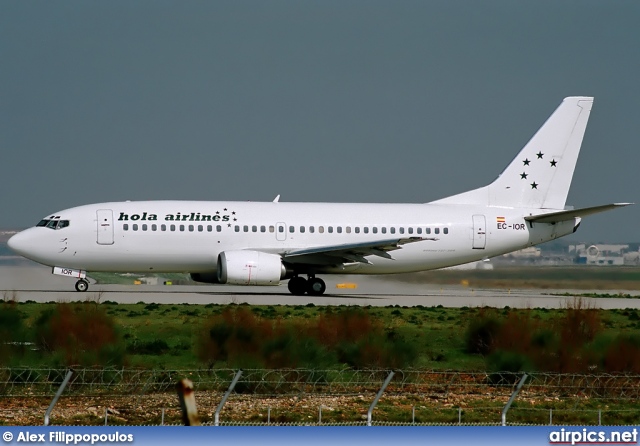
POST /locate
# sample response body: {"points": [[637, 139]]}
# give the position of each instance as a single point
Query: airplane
{"points": [[263, 243]]}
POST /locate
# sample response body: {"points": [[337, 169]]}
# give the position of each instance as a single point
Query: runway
{"points": [[34, 282]]}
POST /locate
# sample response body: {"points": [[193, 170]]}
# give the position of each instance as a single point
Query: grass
{"points": [[165, 336], [544, 277]]}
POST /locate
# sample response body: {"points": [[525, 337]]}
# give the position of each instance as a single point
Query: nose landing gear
{"points": [[314, 286]]}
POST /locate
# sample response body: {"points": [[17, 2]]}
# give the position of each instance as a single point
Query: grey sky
{"points": [[348, 101]]}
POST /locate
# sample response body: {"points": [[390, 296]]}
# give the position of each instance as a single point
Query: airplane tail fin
{"points": [[540, 176]]}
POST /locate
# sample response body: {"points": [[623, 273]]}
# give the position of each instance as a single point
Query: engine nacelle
{"points": [[205, 277], [250, 268]]}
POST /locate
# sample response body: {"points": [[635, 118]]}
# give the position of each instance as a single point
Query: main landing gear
{"points": [[82, 285], [313, 286]]}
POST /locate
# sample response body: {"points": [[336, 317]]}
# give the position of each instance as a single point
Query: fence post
{"points": [[269, 416], [320, 414], [413, 414], [550, 417], [224, 398], [162, 418], [375, 401], [188, 403], [106, 414], [459, 416], [599, 417], [513, 397], [57, 395]]}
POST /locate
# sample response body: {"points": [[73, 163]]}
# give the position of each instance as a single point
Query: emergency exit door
{"points": [[105, 226], [479, 231]]}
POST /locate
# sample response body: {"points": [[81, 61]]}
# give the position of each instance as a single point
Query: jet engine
{"points": [[250, 268]]}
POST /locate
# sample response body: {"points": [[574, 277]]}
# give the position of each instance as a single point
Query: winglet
{"points": [[277, 199]]}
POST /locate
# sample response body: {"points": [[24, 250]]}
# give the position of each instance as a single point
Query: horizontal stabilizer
{"points": [[555, 217]]}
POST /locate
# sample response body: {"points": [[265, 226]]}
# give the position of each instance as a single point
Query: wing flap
{"points": [[352, 252]]}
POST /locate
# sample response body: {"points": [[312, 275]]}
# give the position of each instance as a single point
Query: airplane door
{"points": [[105, 226], [281, 232], [479, 232]]}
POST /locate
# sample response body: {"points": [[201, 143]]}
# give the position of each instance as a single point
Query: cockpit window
{"points": [[53, 224]]}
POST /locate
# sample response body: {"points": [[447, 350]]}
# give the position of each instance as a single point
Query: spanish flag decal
{"points": [[500, 219]]}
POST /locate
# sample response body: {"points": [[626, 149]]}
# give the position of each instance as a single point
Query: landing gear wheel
{"points": [[316, 287], [297, 286], [82, 285]]}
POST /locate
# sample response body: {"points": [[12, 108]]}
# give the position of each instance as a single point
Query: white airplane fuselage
{"points": [[202, 230]]}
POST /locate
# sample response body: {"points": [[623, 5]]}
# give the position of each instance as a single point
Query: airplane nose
{"points": [[18, 243]]}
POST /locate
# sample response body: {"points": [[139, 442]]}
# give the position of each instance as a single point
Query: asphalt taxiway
{"points": [[36, 283]]}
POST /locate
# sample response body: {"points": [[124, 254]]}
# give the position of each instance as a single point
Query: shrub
{"points": [[79, 335], [482, 333]]}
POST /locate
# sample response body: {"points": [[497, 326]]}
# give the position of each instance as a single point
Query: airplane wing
{"points": [[555, 217], [351, 252]]}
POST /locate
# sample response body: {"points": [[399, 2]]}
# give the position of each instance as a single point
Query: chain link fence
{"points": [[301, 397]]}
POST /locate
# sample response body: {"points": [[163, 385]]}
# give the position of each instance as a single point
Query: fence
{"points": [[299, 396]]}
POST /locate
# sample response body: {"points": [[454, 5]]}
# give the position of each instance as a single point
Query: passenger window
{"points": [[163, 228], [246, 228], [419, 230], [144, 227], [280, 229], [237, 228], [254, 228], [437, 230], [154, 227], [272, 229], [125, 227], [427, 231], [339, 229], [375, 230], [292, 229], [173, 228], [393, 230], [401, 230], [302, 229], [445, 230], [200, 228], [321, 229], [348, 230], [209, 228], [366, 229], [263, 228], [410, 230], [330, 229], [384, 230], [219, 228], [311, 229], [181, 228], [135, 227], [357, 230]]}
